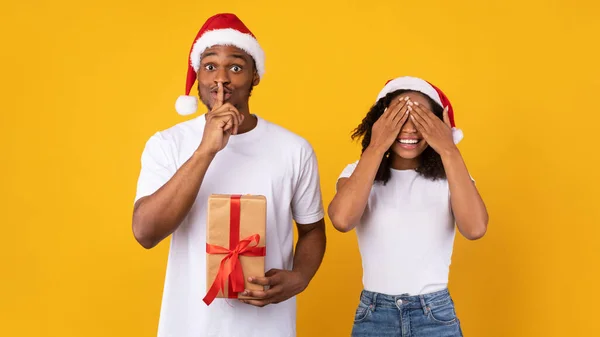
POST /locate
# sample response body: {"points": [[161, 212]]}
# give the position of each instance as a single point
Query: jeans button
{"points": [[399, 302]]}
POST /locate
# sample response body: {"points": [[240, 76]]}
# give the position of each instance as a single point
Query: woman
{"points": [[404, 197]]}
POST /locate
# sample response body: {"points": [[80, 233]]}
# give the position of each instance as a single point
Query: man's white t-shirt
{"points": [[268, 160], [406, 234]]}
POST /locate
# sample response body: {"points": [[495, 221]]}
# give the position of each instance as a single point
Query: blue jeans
{"points": [[428, 315]]}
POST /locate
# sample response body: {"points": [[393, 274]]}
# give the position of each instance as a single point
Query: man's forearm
{"points": [[158, 215], [310, 250]]}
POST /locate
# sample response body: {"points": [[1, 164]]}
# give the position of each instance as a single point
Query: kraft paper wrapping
{"points": [[253, 220]]}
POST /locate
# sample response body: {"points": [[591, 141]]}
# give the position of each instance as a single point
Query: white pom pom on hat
{"points": [[426, 88], [186, 105], [220, 29]]}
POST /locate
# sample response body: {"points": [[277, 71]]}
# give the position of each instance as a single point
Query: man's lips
{"points": [[214, 95]]}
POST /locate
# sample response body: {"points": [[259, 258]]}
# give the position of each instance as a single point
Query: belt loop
{"points": [[374, 304], [423, 304]]}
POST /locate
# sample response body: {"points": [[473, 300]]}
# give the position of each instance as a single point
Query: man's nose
{"points": [[222, 75]]}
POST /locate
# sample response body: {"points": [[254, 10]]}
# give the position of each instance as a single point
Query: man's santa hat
{"points": [[426, 88], [220, 29]]}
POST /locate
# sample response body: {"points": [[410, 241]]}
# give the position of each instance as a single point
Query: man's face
{"points": [[231, 66]]}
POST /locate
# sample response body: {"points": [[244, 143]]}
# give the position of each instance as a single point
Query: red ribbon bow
{"points": [[231, 267]]}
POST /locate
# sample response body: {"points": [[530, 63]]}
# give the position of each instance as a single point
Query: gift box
{"points": [[235, 244]]}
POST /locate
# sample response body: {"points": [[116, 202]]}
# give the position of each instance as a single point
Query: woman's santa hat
{"points": [[220, 29], [426, 88]]}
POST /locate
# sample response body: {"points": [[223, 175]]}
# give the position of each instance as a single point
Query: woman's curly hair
{"points": [[430, 165]]}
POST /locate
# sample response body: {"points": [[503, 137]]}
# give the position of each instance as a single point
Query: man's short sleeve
{"points": [[307, 202], [157, 166]]}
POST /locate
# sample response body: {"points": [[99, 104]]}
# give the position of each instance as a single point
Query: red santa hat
{"points": [[220, 29], [426, 88]]}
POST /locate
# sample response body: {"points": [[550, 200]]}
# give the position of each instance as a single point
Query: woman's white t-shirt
{"points": [[406, 234]]}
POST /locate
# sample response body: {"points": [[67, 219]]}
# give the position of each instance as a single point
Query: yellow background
{"points": [[85, 83]]}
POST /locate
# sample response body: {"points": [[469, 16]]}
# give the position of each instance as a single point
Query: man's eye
{"points": [[236, 69], [209, 67]]}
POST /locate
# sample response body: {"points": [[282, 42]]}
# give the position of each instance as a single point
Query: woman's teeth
{"points": [[408, 141]]}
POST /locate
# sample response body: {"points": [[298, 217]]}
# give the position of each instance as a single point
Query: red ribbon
{"points": [[231, 267]]}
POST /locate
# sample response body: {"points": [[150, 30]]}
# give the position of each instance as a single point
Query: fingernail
{"points": [[410, 103], [249, 279], [416, 103], [406, 98]]}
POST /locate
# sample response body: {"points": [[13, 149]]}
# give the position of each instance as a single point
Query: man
{"points": [[228, 151]]}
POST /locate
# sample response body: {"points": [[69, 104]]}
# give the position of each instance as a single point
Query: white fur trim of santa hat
{"points": [[410, 83], [230, 37]]}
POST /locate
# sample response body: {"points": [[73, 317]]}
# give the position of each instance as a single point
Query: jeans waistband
{"points": [[374, 299]]}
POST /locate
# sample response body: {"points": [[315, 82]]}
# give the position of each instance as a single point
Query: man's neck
{"points": [[249, 122]]}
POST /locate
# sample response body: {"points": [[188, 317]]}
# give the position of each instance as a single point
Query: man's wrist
{"points": [[302, 278], [202, 153]]}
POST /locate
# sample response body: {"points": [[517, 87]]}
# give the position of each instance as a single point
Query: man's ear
{"points": [[256, 78]]}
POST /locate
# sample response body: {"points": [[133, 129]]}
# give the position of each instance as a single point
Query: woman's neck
{"points": [[399, 163]]}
